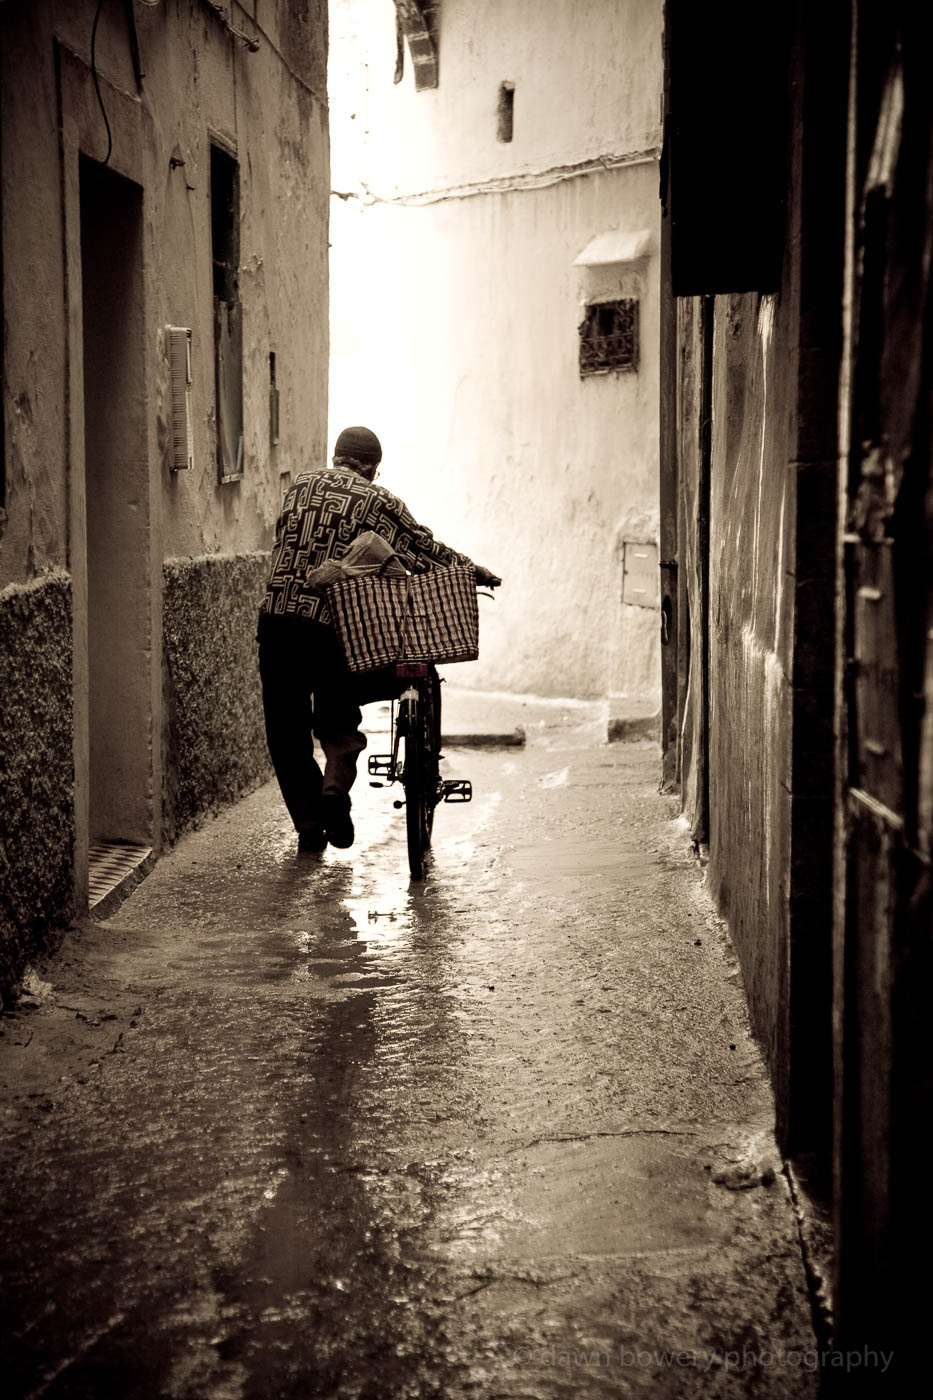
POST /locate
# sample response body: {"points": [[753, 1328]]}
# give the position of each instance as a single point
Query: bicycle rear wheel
{"points": [[419, 775]]}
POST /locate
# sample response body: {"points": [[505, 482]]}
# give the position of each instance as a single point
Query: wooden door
{"points": [[884, 983]]}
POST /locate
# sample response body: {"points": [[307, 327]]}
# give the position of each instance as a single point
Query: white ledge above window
{"points": [[615, 247]]}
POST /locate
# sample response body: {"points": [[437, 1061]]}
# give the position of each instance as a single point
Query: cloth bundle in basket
{"points": [[422, 617]]}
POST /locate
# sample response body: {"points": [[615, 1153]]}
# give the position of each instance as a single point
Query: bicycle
{"points": [[433, 615], [415, 736]]}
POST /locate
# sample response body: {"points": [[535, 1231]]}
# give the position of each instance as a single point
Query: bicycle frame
{"points": [[415, 726]]}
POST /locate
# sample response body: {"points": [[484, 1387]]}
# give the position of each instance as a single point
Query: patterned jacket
{"points": [[321, 515]]}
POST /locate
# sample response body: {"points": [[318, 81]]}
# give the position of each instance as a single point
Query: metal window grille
{"points": [[609, 337]]}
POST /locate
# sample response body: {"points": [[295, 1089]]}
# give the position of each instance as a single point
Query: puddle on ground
{"points": [[381, 923], [580, 856]]}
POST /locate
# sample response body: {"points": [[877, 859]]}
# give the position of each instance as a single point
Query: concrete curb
{"points": [[814, 1222], [114, 898], [621, 730], [515, 740]]}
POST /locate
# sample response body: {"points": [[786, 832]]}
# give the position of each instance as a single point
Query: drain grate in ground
{"points": [[110, 862]]}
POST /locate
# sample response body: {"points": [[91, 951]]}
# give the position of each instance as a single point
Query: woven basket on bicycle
{"points": [[383, 619]]}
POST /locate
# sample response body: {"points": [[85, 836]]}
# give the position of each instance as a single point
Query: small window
{"points": [[505, 112], [609, 337], [273, 402], [228, 318]]}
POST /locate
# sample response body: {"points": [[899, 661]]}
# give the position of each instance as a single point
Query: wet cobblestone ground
{"points": [[289, 1126]]}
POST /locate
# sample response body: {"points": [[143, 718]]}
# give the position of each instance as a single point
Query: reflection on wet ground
{"points": [[365, 1138]]}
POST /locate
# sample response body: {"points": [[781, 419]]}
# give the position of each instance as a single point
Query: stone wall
{"points": [[214, 746], [36, 771]]}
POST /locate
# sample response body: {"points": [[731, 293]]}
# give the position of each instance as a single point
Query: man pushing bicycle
{"points": [[308, 691]]}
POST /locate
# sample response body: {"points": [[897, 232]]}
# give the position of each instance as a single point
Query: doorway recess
{"points": [[116, 486]]}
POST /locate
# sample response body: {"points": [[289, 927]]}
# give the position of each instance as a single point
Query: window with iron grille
{"points": [[609, 337]]}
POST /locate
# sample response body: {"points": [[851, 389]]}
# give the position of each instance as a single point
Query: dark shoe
{"points": [[312, 838], [335, 814]]}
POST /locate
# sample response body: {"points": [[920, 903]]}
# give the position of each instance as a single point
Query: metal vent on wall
{"points": [[178, 340], [640, 578]]}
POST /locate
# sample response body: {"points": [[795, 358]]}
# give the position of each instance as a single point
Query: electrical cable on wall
{"points": [[100, 100], [509, 184], [303, 82], [248, 41]]}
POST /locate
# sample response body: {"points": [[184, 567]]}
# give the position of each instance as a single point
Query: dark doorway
{"points": [[116, 487]]}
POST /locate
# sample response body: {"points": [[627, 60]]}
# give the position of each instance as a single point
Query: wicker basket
{"points": [[423, 617]]}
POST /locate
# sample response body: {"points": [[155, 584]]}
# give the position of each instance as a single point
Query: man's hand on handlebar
{"points": [[486, 577]]}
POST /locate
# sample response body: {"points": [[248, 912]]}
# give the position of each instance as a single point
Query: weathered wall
{"points": [[266, 103], [198, 82], [751, 639], [455, 320], [36, 775], [884, 856], [280, 133], [214, 738], [33, 534], [690, 414], [759, 741]]}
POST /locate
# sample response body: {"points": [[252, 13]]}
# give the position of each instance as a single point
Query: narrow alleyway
{"points": [[287, 1126]]}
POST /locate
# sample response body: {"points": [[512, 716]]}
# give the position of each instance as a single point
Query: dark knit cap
{"points": [[360, 443]]}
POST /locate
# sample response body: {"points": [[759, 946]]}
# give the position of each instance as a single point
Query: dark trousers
{"points": [[309, 693]]}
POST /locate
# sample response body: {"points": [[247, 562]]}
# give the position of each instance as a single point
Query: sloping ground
{"points": [[288, 1125]]}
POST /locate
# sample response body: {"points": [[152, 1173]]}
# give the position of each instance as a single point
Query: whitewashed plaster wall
{"points": [[454, 317], [587, 78]]}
